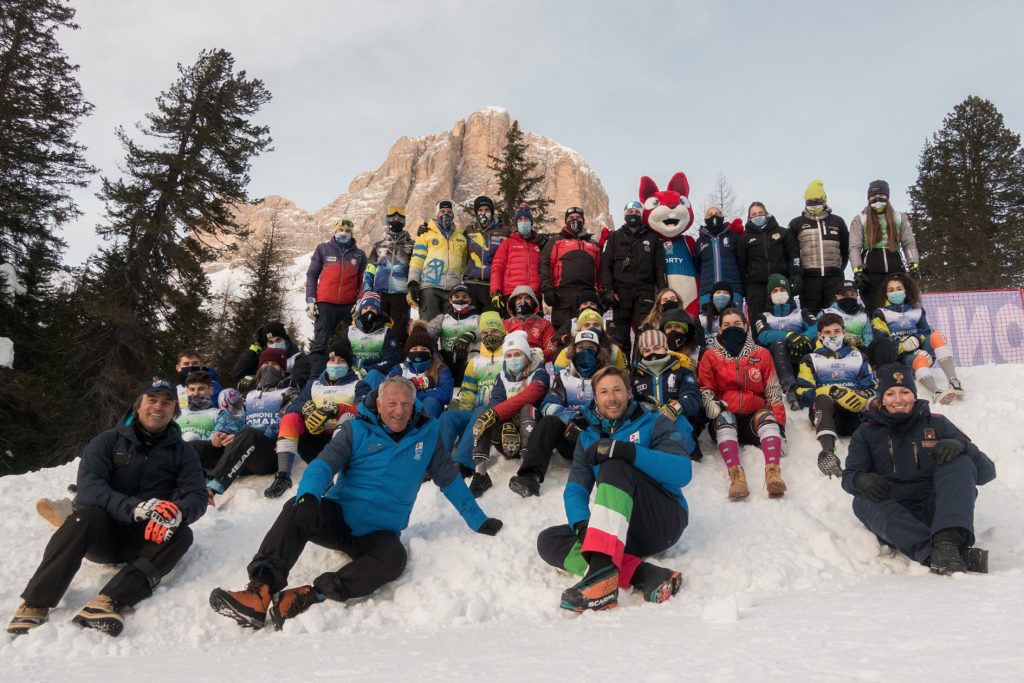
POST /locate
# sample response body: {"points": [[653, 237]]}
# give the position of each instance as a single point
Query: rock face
{"points": [[417, 173]]}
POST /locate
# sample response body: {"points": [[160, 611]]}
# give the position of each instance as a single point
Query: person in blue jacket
{"points": [[716, 257], [662, 379], [355, 497], [638, 462], [787, 331], [425, 368], [913, 476]]}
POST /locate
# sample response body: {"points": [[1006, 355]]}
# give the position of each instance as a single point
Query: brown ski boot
{"points": [[773, 480], [248, 606], [737, 483]]}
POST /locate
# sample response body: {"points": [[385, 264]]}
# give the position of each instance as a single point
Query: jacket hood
{"points": [[523, 289]]}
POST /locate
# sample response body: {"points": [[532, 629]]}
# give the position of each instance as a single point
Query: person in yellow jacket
{"points": [[438, 261], [592, 320]]}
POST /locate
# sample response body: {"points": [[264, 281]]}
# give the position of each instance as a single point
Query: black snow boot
{"points": [[525, 485], [479, 483], [282, 482], [946, 558], [976, 560], [656, 584]]}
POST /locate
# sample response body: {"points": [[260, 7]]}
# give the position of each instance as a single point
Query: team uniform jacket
{"points": [[846, 367], [510, 395], [746, 383], [376, 350], [857, 324], [341, 395], [618, 357], [570, 394], [633, 261], [675, 383], [539, 333], [335, 274], [482, 372], [762, 252], [660, 454], [781, 319], [571, 262], [822, 245], [483, 245], [388, 269], [438, 260], [517, 262], [375, 477], [197, 425], [901, 322], [715, 257], [449, 326], [265, 408], [681, 271]]}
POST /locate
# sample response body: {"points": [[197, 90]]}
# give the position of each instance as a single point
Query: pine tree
{"points": [[515, 182], [144, 294], [968, 202]]}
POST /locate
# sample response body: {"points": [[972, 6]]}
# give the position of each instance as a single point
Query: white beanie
{"points": [[516, 341]]}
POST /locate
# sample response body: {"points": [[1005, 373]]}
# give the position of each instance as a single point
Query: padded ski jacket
{"points": [[715, 257], [819, 245], [571, 261], [438, 259], [517, 262], [387, 270], [876, 258], [746, 383], [633, 261], [483, 245], [335, 274], [763, 251]]}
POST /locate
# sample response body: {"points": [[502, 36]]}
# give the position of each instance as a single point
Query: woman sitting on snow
{"points": [[424, 367]]}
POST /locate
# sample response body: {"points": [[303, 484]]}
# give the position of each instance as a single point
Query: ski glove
{"points": [[423, 229], [311, 309], [909, 344], [713, 408], [608, 449], [498, 302], [315, 417], [415, 294], [163, 515], [799, 345], [460, 347], [484, 421], [307, 515], [551, 296], [847, 398], [875, 487], [246, 384], [946, 450], [490, 527], [860, 280], [672, 410], [421, 382]]}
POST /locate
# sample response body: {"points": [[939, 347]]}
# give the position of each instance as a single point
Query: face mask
{"points": [[658, 362], [446, 222], [779, 298], [585, 361], [419, 367], [732, 339], [396, 226], [283, 345], [634, 221], [368, 319], [186, 371], [832, 343], [676, 340], [416, 357], [714, 221], [337, 370], [759, 221], [815, 209], [343, 237], [524, 228], [515, 365], [269, 377], [669, 305], [575, 225], [199, 402], [721, 301], [897, 297], [879, 207], [493, 342], [848, 305], [525, 308], [483, 218], [460, 307]]}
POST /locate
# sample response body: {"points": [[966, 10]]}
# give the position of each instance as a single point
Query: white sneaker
{"points": [[954, 384]]}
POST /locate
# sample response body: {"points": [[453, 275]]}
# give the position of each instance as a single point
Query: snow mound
{"points": [[793, 587], [6, 353]]}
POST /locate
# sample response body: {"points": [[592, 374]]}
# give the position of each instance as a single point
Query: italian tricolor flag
{"points": [[609, 524]]}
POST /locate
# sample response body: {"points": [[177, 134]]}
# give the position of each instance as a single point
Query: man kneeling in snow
{"points": [[139, 487], [640, 465], [380, 459], [913, 476]]}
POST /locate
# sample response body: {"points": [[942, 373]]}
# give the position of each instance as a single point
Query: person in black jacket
{"points": [[763, 250], [570, 264], [140, 486], [632, 270], [273, 335], [913, 477], [819, 243]]}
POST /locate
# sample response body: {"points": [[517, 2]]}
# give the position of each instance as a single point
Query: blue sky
{"points": [[772, 95]]}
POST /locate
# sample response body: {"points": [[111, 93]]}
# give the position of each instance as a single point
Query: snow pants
{"points": [[457, 427], [480, 294], [633, 517], [377, 558], [397, 307], [832, 420], [252, 452], [568, 305], [819, 291], [548, 435], [91, 533], [628, 313], [432, 302], [908, 523], [328, 317]]}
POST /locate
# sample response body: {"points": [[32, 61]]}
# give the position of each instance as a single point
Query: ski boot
{"points": [[102, 614], [282, 482], [292, 602], [598, 591], [248, 606]]}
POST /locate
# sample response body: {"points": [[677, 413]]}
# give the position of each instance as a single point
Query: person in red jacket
{"points": [[524, 314], [569, 264], [334, 283], [517, 261], [743, 402]]}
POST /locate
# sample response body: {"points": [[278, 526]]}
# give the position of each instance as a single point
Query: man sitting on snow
{"points": [[379, 460]]}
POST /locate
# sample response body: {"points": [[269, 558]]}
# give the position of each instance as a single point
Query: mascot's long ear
{"points": [[648, 188], [679, 184]]}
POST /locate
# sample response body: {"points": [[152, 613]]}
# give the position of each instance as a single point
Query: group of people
{"points": [[620, 380]]}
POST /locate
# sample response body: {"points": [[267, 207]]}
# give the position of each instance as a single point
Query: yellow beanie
{"points": [[588, 315], [816, 190]]}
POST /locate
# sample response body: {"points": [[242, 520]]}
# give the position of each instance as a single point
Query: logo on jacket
{"points": [[634, 437], [671, 382], [419, 451], [435, 242], [332, 259], [754, 374]]}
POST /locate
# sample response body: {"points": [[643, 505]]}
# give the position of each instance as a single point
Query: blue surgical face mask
{"points": [[337, 370], [278, 345], [721, 301], [524, 228], [897, 297], [515, 365], [585, 361], [759, 221]]}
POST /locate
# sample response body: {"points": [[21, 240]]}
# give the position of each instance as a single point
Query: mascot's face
{"points": [[667, 212]]}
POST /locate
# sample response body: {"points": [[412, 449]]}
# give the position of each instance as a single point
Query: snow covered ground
{"points": [[794, 589]]}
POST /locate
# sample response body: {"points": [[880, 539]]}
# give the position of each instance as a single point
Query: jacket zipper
{"points": [[821, 244], [892, 457]]}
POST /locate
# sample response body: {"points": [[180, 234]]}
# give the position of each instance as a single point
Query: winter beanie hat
{"points": [[419, 336], [589, 296], [587, 336], [676, 315], [369, 299], [523, 212], [651, 338], [342, 349], [273, 356], [778, 280], [443, 204], [815, 190], [589, 316], [878, 187], [895, 375], [489, 321], [517, 341], [483, 200]]}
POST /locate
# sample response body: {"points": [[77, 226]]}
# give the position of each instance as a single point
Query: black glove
{"points": [[422, 230], [875, 487], [307, 515], [460, 347], [799, 345], [246, 384], [915, 271], [608, 300], [860, 280], [490, 527], [797, 280], [498, 302], [551, 296], [581, 529], [574, 428], [946, 450], [606, 449], [414, 292]]}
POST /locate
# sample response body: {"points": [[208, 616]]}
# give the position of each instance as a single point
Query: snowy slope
{"points": [[793, 588]]}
